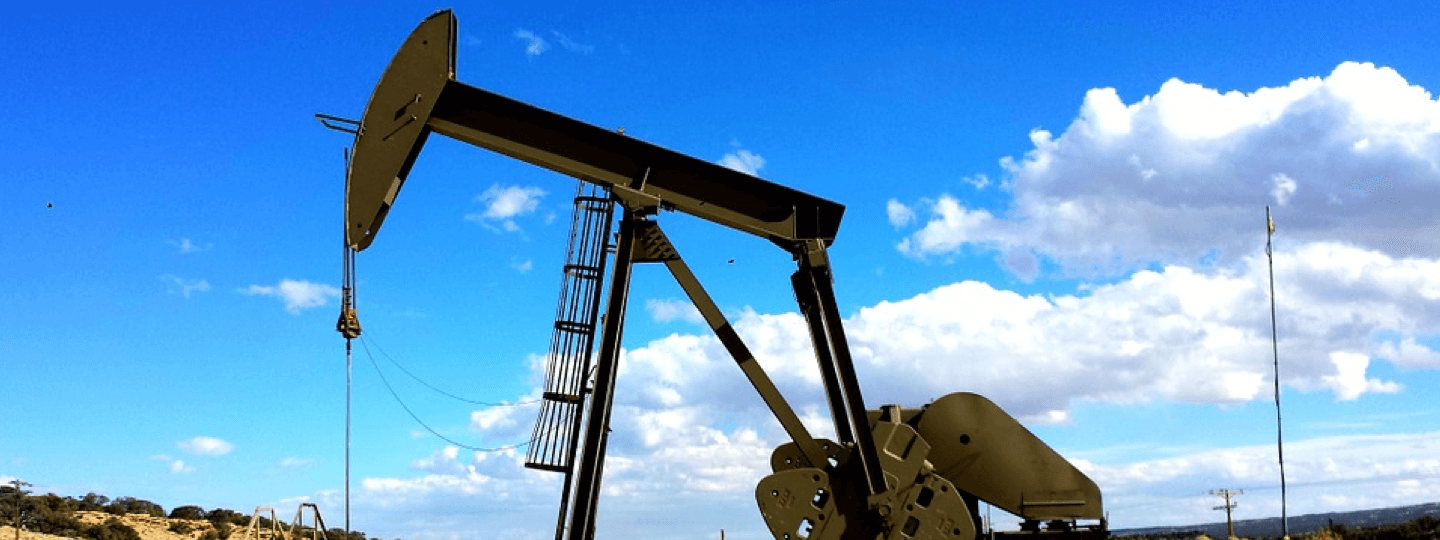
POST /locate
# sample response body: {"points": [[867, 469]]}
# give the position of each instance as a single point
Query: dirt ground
{"points": [[8, 533], [149, 527]]}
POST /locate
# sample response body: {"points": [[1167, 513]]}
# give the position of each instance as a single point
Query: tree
{"points": [[54, 503], [112, 529], [13, 503], [92, 502], [130, 505], [226, 515], [187, 512], [337, 533]]}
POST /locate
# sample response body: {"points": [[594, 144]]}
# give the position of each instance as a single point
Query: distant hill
{"points": [[1270, 527]]}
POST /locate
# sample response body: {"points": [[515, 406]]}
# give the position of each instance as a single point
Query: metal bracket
{"points": [[634, 198], [326, 119]]}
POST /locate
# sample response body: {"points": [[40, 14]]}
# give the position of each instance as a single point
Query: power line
{"points": [[422, 422], [448, 394]]}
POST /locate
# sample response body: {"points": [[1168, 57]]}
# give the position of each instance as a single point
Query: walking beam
{"points": [[418, 95]]}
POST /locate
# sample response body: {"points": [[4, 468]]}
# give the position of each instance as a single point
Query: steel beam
{"points": [[815, 292], [657, 248], [418, 94], [593, 154], [586, 486]]}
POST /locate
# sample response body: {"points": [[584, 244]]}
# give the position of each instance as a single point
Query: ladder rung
{"points": [[582, 271], [576, 327], [546, 467], [562, 398]]}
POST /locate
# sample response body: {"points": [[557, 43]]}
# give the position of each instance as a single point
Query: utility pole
{"points": [[1227, 494], [19, 498]]}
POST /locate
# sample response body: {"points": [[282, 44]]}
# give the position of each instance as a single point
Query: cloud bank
{"points": [[1182, 176], [689, 432]]}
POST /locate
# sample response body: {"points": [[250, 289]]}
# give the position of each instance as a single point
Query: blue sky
{"points": [[1058, 205]]}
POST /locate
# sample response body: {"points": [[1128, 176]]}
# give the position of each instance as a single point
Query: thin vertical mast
{"points": [[1275, 349]]}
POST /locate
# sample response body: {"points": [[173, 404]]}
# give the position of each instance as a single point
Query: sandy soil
{"points": [[8, 533], [149, 527]]}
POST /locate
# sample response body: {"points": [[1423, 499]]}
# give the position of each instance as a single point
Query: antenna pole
{"points": [[1275, 349]]}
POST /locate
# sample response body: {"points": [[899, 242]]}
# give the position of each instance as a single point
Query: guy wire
{"points": [[422, 422]]}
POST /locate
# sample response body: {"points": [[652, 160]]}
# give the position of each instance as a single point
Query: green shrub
{"points": [[54, 523], [182, 527], [112, 529], [226, 515]]}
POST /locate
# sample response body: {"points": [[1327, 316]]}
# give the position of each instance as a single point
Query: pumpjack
{"points": [[894, 473]]}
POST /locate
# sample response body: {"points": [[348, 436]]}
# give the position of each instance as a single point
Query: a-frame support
{"points": [[642, 241], [585, 486]]}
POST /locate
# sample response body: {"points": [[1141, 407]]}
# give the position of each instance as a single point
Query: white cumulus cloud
{"points": [[496, 417], [298, 294], [1174, 334], [1284, 188], [185, 245], [175, 466], [534, 44], [1349, 380], [673, 309], [183, 287], [744, 161], [1184, 174], [1408, 353], [898, 214], [207, 446], [1324, 474], [572, 45], [505, 203]]}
